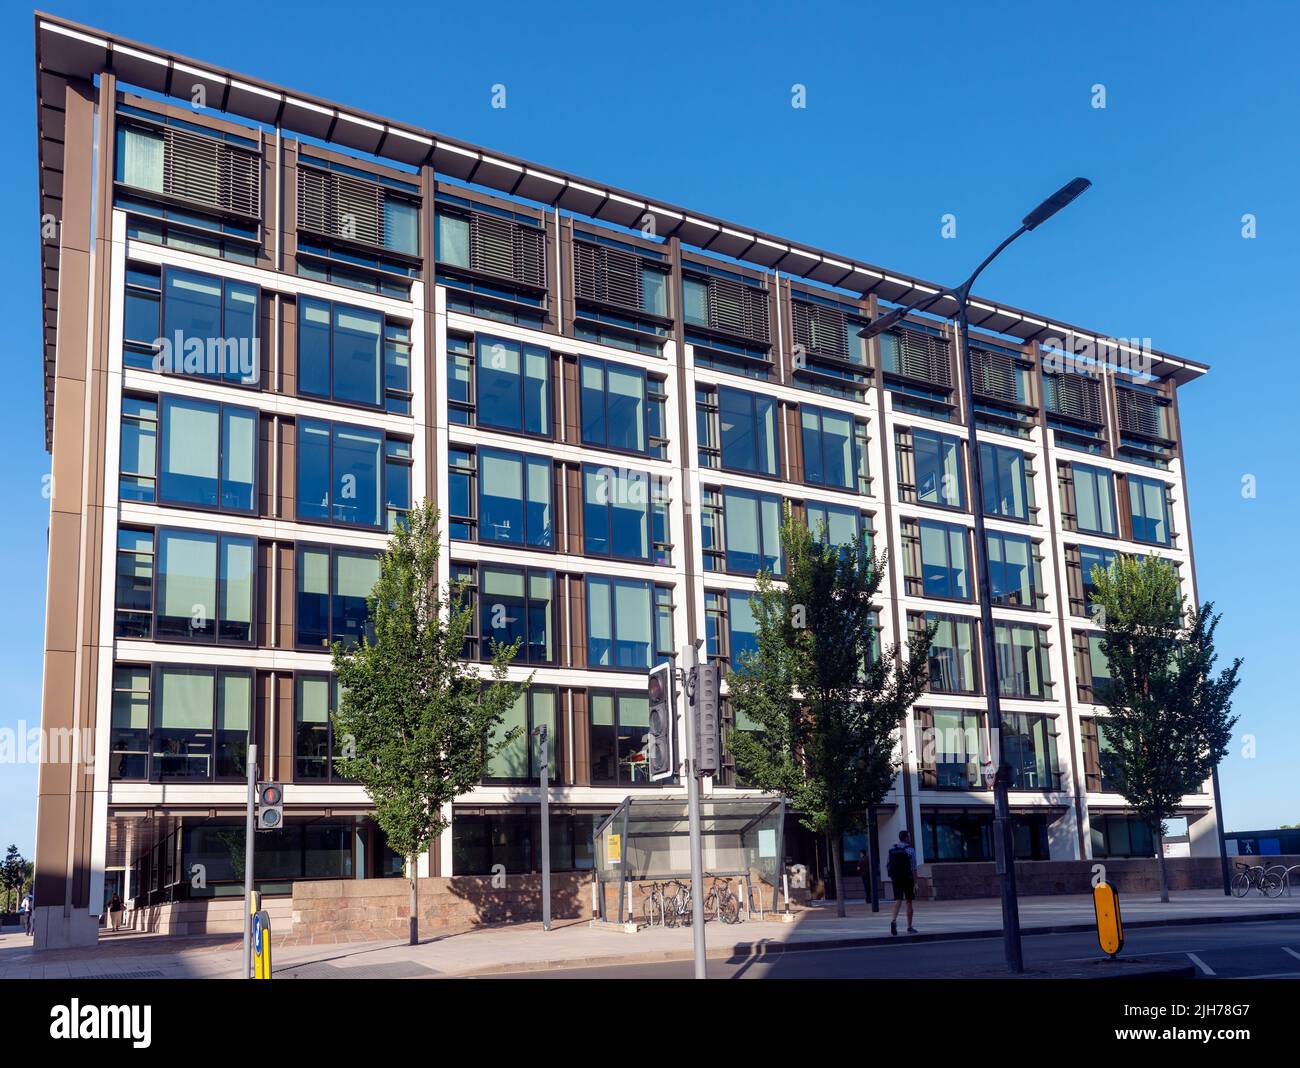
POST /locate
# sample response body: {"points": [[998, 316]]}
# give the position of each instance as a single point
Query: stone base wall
{"points": [[380, 908], [215, 916], [969, 880]]}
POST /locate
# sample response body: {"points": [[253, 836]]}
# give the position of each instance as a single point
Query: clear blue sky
{"points": [[974, 109]]}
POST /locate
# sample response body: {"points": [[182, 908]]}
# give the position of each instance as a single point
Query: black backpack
{"points": [[899, 864]]}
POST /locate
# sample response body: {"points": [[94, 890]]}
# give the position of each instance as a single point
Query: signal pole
{"points": [[690, 672], [545, 784], [248, 862]]}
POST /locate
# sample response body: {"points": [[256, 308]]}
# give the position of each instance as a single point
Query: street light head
{"points": [[1055, 203], [882, 323]]}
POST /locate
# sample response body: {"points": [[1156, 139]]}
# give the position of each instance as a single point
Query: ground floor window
{"points": [[967, 834], [1121, 836], [483, 839]]}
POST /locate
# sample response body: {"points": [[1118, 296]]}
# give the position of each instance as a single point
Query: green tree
{"points": [[416, 724], [1170, 719], [13, 873], [828, 705]]}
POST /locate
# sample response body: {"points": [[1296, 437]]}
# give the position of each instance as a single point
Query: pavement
{"points": [[576, 944]]}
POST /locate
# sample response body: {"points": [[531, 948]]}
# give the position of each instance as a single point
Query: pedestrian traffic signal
{"points": [[659, 738], [270, 806], [708, 744]]}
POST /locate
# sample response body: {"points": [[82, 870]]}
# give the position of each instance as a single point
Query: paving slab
{"points": [[575, 943]]}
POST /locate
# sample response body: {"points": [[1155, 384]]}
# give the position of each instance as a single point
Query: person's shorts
{"points": [[905, 889]]}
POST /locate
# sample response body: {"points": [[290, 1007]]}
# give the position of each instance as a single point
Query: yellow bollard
{"points": [[1110, 926]]}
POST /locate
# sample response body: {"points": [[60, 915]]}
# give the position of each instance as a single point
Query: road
{"points": [[1224, 950]]}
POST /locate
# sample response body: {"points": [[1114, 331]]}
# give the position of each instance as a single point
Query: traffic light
{"points": [[270, 806], [708, 744], [659, 738]]}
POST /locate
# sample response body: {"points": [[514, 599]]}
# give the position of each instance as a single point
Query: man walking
{"points": [[28, 909], [864, 869], [901, 867]]}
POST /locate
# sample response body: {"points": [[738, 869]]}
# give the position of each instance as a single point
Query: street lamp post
{"points": [[1004, 850]]}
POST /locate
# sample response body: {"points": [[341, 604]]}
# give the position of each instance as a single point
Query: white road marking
{"points": [[1288, 949], [1200, 964]]}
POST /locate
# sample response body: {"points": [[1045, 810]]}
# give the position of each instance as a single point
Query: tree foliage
{"points": [[827, 702], [1170, 720], [415, 725]]}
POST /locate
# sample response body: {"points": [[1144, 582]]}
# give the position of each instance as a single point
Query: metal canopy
{"points": [[648, 838]]}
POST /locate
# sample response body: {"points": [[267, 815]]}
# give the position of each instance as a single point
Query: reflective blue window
{"points": [[514, 385], [340, 473], [620, 623], [613, 405], [208, 457], [341, 352], [624, 514], [752, 523], [514, 499], [209, 324], [747, 431]]}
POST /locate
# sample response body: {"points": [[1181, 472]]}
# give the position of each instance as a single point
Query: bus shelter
{"points": [[647, 839]]}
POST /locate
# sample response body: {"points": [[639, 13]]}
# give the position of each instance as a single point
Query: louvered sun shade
{"points": [[344, 206], [212, 172], [1140, 413], [919, 355], [997, 375], [607, 275], [1074, 396], [507, 248], [820, 329]]}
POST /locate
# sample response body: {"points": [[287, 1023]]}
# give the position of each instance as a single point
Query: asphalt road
{"points": [[1223, 950]]}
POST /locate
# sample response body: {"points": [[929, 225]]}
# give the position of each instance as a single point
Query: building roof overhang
{"points": [[71, 50]]}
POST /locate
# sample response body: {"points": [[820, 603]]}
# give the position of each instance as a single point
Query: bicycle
{"points": [[654, 904], [722, 901], [677, 905], [1268, 881]]}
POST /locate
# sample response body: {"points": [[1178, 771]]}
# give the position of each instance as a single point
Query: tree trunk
{"points": [[873, 857], [414, 862], [837, 865], [1160, 866]]}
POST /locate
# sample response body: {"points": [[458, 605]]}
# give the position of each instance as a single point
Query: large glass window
{"points": [[952, 654], [751, 526], [1029, 746], [834, 449], [517, 760], [342, 471], [945, 563], [1121, 836], [1094, 500], [619, 723], [185, 323], [315, 746], [624, 514], [1022, 660], [514, 385], [1091, 557], [959, 750], [138, 466], [1092, 668], [333, 590], [1013, 570], [340, 352], [1008, 490], [1149, 507], [838, 524], [200, 723], [208, 457], [204, 587], [937, 459], [509, 837], [614, 407], [134, 591], [747, 431], [513, 497], [129, 732], [509, 604], [625, 627]]}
